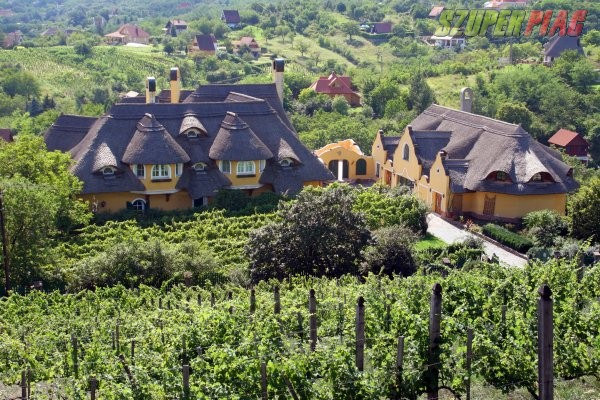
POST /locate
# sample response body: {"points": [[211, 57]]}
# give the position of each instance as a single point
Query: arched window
{"points": [[199, 167], [192, 133], [501, 176], [161, 171], [405, 152], [361, 167], [286, 162], [108, 171], [138, 204], [542, 177], [536, 177], [225, 166]]}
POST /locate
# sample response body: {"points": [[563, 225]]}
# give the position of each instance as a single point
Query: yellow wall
{"points": [[410, 169], [243, 180], [158, 185], [513, 206], [114, 202], [345, 150]]}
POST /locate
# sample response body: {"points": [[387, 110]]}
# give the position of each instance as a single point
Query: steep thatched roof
{"points": [[486, 146], [152, 144], [236, 141]]}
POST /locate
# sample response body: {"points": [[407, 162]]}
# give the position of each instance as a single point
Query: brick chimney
{"points": [[278, 67], [175, 85], [151, 90]]}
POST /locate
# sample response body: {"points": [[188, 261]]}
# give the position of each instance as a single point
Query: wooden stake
{"points": [[93, 387], [545, 344], [23, 385], [435, 338], [252, 301], [263, 381], [399, 366], [277, 299], [469, 362], [360, 334], [75, 357], [186, 381], [312, 310]]}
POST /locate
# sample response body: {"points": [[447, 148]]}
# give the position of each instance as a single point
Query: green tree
{"points": [[39, 201], [391, 253], [420, 95], [302, 47], [583, 206], [544, 227], [340, 105], [592, 38], [318, 234], [351, 29], [515, 113], [593, 138], [385, 91], [16, 82]]}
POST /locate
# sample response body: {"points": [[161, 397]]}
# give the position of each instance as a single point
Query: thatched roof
{"points": [[236, 141], [124, 127], [559, 44], [486, 146], [152, 144]]}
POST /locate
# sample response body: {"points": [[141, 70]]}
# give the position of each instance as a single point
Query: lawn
{"points": [[429, 242]]}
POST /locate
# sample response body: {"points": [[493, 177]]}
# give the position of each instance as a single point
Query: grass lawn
{"points": [[429, 242], [447, 88]]}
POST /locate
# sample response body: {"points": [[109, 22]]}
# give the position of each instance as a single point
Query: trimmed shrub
{"points": [[508, 238], [391, 253]]}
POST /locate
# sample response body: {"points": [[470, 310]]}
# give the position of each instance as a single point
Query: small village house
{"points": [[435, 12], [12, 39], [462, 163], [449, 42], [347, 162], [504, 4], [128, 33], [558, 45], [203, 44], [572, 143], [175, 26], [248, 44], [177, 150], [231, 18], [381, 28], [337, 85]]}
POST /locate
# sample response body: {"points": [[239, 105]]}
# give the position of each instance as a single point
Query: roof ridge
{"points": [[475, 125]]}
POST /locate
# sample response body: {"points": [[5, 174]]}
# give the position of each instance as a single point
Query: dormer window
{"points": [[536, 177], [192, 133], [501, 176], [108, 171], [286, 162], [199, 167], [541, 177]]}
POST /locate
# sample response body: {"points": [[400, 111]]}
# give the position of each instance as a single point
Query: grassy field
{"points": [[429, 242]]}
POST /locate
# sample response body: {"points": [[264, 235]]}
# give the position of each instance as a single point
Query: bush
{"points": [[391, 253], [508, 238], [544, 226]]}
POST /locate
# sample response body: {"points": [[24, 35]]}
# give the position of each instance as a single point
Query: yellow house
{"points": [[179, 154], [346, 161], [461, 163]]}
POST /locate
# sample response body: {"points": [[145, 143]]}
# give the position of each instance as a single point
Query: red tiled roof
{"points": [[333, 84], [436, 11], [563, 137]]}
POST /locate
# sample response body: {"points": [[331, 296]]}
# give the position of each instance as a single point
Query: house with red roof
{"points": [[128, 33], [205, 44], [335, 85], [572, 142], [436, 11], [247, 42]]}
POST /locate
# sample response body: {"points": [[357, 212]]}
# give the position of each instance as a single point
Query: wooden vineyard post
{"points": [[399, 366], [185, 369], [117, 334], [277, 299], [263, 381], [212, 299], [545, 344], [300, 326], [28, 382], [312, 310], [252, 301], [360, 334], [199, 299], [341, 323], [435, 317], [469, 362], [74, 344], [23, 385], [132, 352], [93, 387]]}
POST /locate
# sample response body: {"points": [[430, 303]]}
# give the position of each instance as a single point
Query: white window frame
{"points": [[246, 168], [286, 162], [261, 165], [135, 207], [222, 165], [178, 169], [136, 170], [161, 171]]}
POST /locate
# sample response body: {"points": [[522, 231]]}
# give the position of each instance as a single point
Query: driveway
{"points": [[447, 232]]}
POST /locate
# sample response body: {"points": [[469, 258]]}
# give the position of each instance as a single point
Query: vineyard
{"points": [[134, 342]]}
